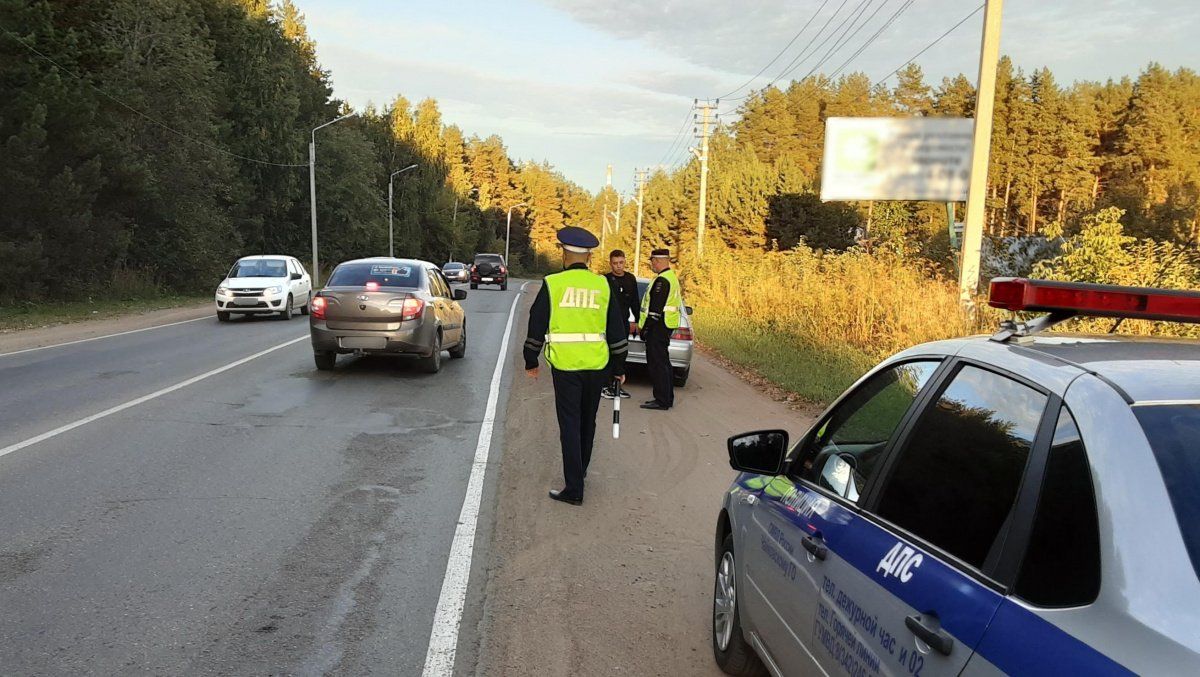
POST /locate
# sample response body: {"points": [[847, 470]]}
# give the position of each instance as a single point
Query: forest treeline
{"points": [[1059, 155], [145, 144]]}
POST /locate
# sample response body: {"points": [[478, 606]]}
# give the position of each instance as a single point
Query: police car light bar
{"points": [[1064, 300]]}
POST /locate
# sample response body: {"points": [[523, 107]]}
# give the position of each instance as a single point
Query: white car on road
{"points": [[264, 285]]}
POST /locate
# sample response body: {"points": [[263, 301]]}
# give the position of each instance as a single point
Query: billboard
{"points": [[897, 159]]}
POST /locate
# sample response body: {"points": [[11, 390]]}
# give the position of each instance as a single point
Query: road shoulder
{"points": [[24, 339], [623, 584]]}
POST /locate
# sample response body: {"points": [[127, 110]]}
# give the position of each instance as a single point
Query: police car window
{"points": [[1174, 434], [844, 452], [1062, 562], [955, 481]]}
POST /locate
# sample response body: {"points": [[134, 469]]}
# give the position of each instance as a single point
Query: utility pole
{"points": [[616, 216], [640, 180], [989, 56], [705, 118]]}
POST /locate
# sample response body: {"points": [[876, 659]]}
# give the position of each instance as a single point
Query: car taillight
{"points": [[412, 309], [372, 286], [503, 269], [317, 307], [682, 334]]}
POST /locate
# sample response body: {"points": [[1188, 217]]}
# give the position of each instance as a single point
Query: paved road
{"points": [[266, 519]]}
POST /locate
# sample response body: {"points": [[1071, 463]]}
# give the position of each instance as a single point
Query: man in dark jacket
{"points": [[625, 290]]}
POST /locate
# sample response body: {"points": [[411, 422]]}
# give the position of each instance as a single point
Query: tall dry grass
{"points": [[874, 304]]}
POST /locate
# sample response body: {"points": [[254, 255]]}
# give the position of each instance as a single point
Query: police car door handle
{"points": [[814, 547], [934, 636]]}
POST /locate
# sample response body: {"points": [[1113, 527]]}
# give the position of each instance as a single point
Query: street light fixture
{"points": [[508, 229], [454, 218], [312, 192], [391, 251]]}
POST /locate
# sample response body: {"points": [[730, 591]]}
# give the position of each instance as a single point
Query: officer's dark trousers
{"points": [[576, 398], [658, 363]]}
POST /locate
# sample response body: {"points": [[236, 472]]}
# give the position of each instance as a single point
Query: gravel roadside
{"points": [[623, 584], [23, 339]]}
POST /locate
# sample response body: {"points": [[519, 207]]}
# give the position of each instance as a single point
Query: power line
{"points": [[842, 39], [930, 45], [678, 135], [781, 52], [121, 103], [802, 55], [875, 36]]}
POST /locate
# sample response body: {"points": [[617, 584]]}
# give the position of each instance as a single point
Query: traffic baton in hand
{"points": [[616, 386]]}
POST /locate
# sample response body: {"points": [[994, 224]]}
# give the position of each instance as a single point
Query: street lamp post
{"points": [[454, 218], [312, 194], [508, 229], [391, 250]]}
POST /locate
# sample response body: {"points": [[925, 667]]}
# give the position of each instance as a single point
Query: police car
{"points": [[1025, 504]]}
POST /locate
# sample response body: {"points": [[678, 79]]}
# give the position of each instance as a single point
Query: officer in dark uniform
{"points": [[662, 309], [578, 319]]}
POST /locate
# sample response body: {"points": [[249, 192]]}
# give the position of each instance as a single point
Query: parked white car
{"points": [[264, 285]]}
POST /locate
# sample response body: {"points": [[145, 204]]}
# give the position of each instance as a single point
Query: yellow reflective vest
{"points": [[673, 306], [578, 318]]}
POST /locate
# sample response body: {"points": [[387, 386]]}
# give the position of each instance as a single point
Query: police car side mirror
{"points": [[688, 309], [460, 294], [296, 276], [760, 452]]}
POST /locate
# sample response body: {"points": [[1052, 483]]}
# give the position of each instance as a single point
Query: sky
{"points": [[585, 84]]}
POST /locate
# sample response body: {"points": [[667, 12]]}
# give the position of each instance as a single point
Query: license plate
{"points": [[487, 279], [363, 342], [245, 302]]}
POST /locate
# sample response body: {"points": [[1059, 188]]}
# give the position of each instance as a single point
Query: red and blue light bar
{"points": [[1094, 300]]}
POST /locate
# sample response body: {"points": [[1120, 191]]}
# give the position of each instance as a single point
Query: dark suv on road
{"points": [[489, 269]]}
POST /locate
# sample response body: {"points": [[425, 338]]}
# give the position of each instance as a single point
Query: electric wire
{"points": [[930, 45], [871, 40], [786, 47], [843, 38]]}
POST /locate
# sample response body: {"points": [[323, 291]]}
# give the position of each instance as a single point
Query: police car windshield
{"points": [[382, 274], [1174, 434]]}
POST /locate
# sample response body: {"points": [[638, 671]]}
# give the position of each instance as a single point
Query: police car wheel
{"points": [[733, 654]]}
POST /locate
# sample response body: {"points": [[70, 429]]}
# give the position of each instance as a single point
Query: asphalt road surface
{"points": [[264, 519]]}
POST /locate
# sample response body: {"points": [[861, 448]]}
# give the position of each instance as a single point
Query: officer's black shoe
{"points": [[655, 404], [558, 496]]}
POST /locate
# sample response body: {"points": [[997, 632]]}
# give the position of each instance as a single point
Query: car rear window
{"points": [[1174, 434], [488, 258], [259, 268], [383, 274]]}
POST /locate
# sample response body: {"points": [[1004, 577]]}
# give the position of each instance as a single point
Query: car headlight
{"points": [[274, 290], [222, 291]]}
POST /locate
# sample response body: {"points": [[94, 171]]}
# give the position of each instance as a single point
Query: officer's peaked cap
{"points": [[660, 253], [578, 240]]}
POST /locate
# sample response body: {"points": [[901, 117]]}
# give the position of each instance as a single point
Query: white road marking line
{"points": [[97, 338], [443, 639], [141, 400]]}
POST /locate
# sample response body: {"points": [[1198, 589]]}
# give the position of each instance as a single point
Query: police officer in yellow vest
{"points": [[580, 323], [660, 316]]}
